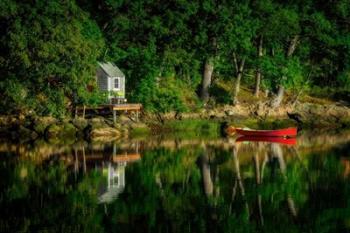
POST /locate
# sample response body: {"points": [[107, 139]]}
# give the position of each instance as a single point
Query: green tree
{"points": [[50, 52]]}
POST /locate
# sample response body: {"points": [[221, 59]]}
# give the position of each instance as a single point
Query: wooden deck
{"points": [[124, 107], [117, 158], [114, 108]]}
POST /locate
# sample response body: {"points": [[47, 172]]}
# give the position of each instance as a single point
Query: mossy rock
{"points": [[41, 124], [68, 130], [53, 130], [80, 123], [98, 122], [104, 134], [25, 133], [61, 130], [4, 121], [98, 129], [345, 123], [123, 119]]}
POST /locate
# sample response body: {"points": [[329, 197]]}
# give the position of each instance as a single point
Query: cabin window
{"points": [[116, 84]]}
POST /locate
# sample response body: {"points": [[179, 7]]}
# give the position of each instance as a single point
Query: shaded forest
{"points": [[174, 53]]}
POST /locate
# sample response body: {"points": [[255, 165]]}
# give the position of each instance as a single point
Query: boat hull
{"points": [[288, 132]]}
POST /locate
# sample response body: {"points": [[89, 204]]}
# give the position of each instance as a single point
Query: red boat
{"points": [[288, 132], [281, 140]]}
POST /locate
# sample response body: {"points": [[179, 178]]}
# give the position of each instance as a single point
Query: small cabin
{"points": [[112, 80]]}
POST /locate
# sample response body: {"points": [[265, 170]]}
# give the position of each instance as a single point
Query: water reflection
{"points": [[222, 185], [110, 161], [115, 174]]}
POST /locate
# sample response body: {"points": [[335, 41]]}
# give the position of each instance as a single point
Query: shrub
{"points": [[165, 95], [220, 94]]}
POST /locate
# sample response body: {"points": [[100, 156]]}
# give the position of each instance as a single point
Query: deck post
{"points": [[76, 112], [114, 116], [84, 160], [84, 108], [137, 116]]}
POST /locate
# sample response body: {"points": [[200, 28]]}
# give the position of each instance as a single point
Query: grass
{"points": [[140, 132], [269, 123], [190, 128]]}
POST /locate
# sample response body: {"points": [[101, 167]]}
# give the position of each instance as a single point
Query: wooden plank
{"points": [[127, 107], [91, 108], [115, 158], [126, 158]]}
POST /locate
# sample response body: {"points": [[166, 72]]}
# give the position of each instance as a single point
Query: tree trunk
{"points": [[257, 83], [238, 81], [278, 153], [276, 102], [239, 177], [206, 80], [205, 168], [258, 71], [293, 45], [237, 88], [84, 108], [257, 168], [76, 112]]}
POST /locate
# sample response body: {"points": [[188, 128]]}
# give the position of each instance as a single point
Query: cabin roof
{"points": [[111, 69]]}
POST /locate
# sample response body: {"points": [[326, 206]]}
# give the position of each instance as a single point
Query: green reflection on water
{"points": [[176, 186]]}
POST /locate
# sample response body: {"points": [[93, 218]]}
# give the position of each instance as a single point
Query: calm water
{"points": [[177, 185]]}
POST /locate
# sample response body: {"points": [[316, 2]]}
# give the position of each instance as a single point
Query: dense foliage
{"points": [[49, 49]]}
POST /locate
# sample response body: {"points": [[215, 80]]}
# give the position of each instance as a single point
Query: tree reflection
{"points": [[246, 187]]}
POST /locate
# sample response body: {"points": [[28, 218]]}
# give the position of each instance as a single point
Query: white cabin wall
{"points": [[111, 85], [102, 80], [122, 84]]}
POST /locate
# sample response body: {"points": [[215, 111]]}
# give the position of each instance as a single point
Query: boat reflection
{"points": [[281, 140]]}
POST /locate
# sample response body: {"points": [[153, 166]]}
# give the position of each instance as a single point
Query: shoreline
{"points": [[98, 128]]}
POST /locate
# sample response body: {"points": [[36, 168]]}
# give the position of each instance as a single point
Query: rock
{"points": [[40, 124], [68, 130], [296, 117], [169, 116], [52, 130], [80, 123], [105, 133], [123, 119], [98, 129], [5, 125], [261, 109], [25, 133], [4, 121], [63, 130], [229, 112], [97, 122]]}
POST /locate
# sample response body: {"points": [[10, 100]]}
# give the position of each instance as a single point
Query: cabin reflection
{"points": [[115, 175], [110, 161]]}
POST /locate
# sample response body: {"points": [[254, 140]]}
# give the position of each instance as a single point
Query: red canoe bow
{"points": [[288, 132]]}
